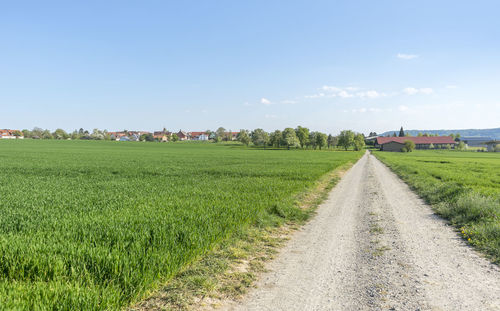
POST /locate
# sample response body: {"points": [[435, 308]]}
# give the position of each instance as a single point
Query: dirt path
{"points": [[374, 245]]}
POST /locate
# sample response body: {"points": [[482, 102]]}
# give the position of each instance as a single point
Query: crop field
{"points": [[464, 187], [89, 225]]}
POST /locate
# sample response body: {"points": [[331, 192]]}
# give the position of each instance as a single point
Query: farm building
{"points": [[492, 144], [476, 141], [397, 143]]}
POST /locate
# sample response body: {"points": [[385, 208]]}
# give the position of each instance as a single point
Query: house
{"points": [[162, 136], [397, 143], [117, 135], [232, 135], [199, 136], [124, 138], [492, 144], [476, 141], [134, 137], [11, 134], [183, 135]]}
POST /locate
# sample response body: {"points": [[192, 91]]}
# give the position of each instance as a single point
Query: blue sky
{"points": [[196, 65]]}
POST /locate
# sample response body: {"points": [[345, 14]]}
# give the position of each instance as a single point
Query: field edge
{"points": [[225, 273], [457, 210]]}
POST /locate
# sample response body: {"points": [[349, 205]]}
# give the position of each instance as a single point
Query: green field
{"points": [[464, 187], [89, 225]]}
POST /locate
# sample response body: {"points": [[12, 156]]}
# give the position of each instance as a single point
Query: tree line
{"points": [[39, 133], [301, 137]]}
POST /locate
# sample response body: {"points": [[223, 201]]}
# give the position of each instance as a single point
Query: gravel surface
{"points": [[374, 245]]}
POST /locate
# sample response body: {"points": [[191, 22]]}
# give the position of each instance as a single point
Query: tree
{"points": [[346, 139], [359, 142], [37, 132], [289, 137], [431, 146], [174, 137], [321, 140], [17, 134], [332, 141], [312, 140], [420, 134], [275, 138], [260, 137], [401, 132], [46, 134], [243, 137], [27, 133], [60, 134], [220, 133], [303, 135], [208, 133], [461, 146], [409, 145], [75, 135], [228, 136], [394, 134]]}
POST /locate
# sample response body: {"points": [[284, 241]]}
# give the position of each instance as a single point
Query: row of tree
{"points": [[39, 133], [301, 137]]}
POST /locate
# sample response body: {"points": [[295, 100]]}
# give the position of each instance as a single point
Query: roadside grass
{"points": [[89, 225], [463, 187], [232, 266]]}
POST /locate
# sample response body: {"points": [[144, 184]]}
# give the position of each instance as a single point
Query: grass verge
{"points": [[454, 197], [225, 273]]}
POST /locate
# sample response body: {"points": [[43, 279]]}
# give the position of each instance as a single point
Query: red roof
{"points": [[417, 140], [7, 132], [198, 133]]}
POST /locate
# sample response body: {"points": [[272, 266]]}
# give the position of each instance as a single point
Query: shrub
{"points": [[409, 145], [461, 146]]}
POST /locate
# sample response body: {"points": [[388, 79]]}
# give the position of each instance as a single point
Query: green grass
{"points": [[463, 187], [88, 225]]}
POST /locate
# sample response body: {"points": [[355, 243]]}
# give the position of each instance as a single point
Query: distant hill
{"points": [[493, 133]]}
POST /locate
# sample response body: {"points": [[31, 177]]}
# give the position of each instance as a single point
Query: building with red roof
{"points": [[11, 134], [421, 142]]}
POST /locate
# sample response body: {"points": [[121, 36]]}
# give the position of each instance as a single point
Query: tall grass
{"points": [[95, 225], [463, 187]]}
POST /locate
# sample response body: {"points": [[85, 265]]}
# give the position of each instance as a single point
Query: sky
{"points": [[197, 65]]}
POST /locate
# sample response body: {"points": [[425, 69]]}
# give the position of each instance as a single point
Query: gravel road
{"points": [[374, 245]]}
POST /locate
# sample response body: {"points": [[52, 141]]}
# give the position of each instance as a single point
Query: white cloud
{"points": [[265, 101], [410, 90], [406, 56], [328, 88], [413, 91], [345, 92], [271, 116], [315, 95], [403, 108], [370, 94], [364, 110]]}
